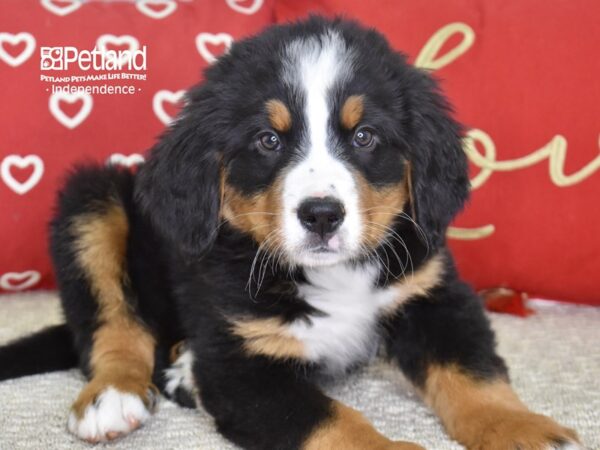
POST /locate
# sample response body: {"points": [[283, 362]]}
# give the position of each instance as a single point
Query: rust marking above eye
{"points": [[279, 115], [352, 111]]}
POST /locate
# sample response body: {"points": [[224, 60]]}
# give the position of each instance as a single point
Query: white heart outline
{"points": [[70, 97], [21, 162], [61, 10], [132, 43], [33, 275], [248, 10], [157, 104], [142, 6], [14, 39], [215, 39], [119, 159]]}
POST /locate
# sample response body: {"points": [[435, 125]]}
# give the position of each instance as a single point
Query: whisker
{"points": [[260, 249], [262, 271], [400, 212], [390, 233], [387, 244]]}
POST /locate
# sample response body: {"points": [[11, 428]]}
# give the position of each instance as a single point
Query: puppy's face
{"points": [[322, 174], [305, 137]]}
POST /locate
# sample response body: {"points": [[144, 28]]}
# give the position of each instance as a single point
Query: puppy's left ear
{"points": [[178, 188], [439, 171]]}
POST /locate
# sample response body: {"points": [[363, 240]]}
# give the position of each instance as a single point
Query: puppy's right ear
{"points": [[178, 188]]}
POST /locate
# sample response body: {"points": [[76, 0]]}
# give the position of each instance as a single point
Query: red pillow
{"points": [[44, 133], [523, 75]]}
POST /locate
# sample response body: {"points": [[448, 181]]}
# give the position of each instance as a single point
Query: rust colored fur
{"points": [[418, 283], [122, 354], [352, 111], [379, 207], [258, 215], [279, 115], [488, 415], [268, 337], [347, 428]]}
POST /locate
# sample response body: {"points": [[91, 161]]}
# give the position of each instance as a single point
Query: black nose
{"points": [[321, 215]]}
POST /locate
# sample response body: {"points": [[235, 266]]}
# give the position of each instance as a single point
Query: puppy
{"points": [[289, 223]]}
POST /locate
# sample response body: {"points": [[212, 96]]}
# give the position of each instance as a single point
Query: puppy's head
{"points": [[313, 138]]}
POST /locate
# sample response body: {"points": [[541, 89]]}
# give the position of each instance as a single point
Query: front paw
{"points": [[518, 430], [103, 413]]}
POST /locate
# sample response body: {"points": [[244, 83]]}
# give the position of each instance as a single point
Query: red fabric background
{"points": [[531, 74], [123, 124]]}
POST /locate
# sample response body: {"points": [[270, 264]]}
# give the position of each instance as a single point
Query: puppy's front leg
{"points": [[444, 344], [262, 404], [116, 348]]}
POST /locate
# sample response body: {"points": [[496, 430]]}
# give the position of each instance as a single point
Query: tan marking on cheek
{"points": [[122, 354], [258, 215], [487, 413], [349, 429], [379, 207], [279, 115], [268, 337], [352, 111], [420, 282]]}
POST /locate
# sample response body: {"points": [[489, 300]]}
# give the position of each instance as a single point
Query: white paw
{"points": [[180, 374], [180, 384], [113, 414]]}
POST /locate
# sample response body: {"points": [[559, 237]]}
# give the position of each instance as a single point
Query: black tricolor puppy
{"points": [[291, 220]]}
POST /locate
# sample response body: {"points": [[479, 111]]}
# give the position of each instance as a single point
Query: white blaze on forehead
{"points": [[314, 66]]}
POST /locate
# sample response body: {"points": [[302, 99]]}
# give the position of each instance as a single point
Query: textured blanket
{"points": [[554, 357]]}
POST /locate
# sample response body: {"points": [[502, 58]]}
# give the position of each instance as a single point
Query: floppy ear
{"points": [[439, 171], [178, 188]]}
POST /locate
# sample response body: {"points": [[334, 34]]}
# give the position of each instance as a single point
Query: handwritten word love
{"points": [[555, 151]]}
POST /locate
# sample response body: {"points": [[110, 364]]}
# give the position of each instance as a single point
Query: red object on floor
{"points": [[506, 301]]}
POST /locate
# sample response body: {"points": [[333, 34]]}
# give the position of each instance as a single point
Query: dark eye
{"points": [[269, 142], [363, 138]]}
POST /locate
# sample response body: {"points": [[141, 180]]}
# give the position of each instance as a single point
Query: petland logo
{"points": [[64, 58]]}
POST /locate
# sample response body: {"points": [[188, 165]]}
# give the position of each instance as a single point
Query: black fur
{"points": [[178, 189], [189, 271], [46, 351], [448, 327]]}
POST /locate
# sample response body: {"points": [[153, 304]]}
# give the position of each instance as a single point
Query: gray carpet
{"points": [[554, 358]]}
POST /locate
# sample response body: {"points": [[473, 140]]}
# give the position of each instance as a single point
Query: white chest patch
{"points": [[346, 331]]}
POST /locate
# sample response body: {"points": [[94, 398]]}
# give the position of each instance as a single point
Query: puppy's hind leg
{"points": [[89, 242]]}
